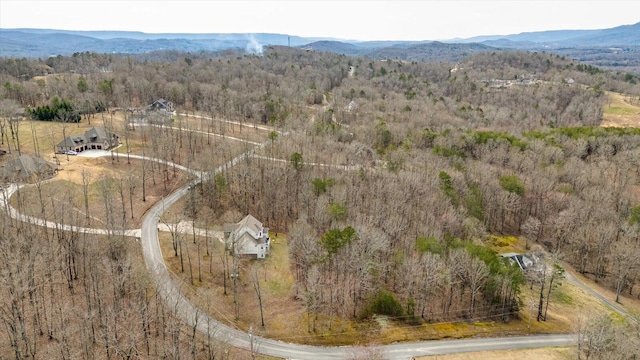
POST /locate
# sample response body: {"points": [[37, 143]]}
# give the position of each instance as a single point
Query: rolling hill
{"points": [[49, 42]]}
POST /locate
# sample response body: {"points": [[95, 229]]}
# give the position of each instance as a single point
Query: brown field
{"points": [[64, 191], [209, 150], [63, 197], [560, 353], [621, 111]]}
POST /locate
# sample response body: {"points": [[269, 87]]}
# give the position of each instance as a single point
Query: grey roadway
{"points": [[612, 304], [191, 315]]}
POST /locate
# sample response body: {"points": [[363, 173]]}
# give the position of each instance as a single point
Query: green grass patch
{"points": [[278, 288], [429, 244], [620, 110], [617, 318], [583, 132], [562, 298]]}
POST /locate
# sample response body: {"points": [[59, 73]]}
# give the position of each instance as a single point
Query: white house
{"points": [[248, 237]]}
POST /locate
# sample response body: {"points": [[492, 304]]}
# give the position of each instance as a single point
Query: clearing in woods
{"points": [[621, 111]]}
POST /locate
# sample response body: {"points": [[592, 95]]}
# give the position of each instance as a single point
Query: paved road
{"points": [[255, 126], [612, 304], [201, 132]]}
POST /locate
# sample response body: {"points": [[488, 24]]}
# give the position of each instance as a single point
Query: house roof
{"points": [[250, 225], [161, 103], [25, 166], [72, 141], [96, 134]]}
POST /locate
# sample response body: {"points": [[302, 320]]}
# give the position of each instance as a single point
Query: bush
{"points": [[482, 137], [447, 152], [634, 217], [429, 244], [512, 184], [384, 304]]}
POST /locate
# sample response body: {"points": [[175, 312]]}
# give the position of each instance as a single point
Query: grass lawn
{"points": [[620, 112], [63, 196], [108, 184]]}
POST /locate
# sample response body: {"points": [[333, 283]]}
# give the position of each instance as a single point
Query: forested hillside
{"points": [[425, 166]]}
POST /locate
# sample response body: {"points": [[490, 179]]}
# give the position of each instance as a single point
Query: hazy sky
{"points": [[351, 19]]}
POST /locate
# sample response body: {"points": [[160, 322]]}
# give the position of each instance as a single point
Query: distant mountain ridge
{"points": [[45, 43], [625, 35], [51, 42]]}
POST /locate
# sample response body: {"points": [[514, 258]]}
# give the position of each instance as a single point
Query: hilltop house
{"points": [[96, 138], [248, 237], [27, 168]]}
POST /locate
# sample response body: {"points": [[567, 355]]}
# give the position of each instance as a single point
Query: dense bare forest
{"points": [[425, 165]]}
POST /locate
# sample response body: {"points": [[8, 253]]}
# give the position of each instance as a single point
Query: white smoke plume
{"points": [[254, 47]]}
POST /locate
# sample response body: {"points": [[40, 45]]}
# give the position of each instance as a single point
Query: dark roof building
{"points": [[96, 138], [27, 168], [161, 105]]}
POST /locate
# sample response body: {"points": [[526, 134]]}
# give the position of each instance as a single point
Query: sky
{"points": [[349, 19]]}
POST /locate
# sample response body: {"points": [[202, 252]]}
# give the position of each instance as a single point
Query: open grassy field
{"points": [[63, 196], [174, 142], [112, 186], [620, 111]]}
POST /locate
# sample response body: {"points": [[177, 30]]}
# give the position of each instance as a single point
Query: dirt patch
{"points": [[71, 168]]}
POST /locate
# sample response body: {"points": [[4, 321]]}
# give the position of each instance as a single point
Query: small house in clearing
{"points": [[247, 237], [27, 168], [96, 138]]}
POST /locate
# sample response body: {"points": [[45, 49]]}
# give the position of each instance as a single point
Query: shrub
{"points": [[512, 184], [428, 244], [384, 303]]}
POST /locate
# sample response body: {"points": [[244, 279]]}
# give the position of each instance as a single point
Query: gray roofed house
{"points": [[27, 168], [524, 261], [161, 105], [96, 138], [248, 237]]}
